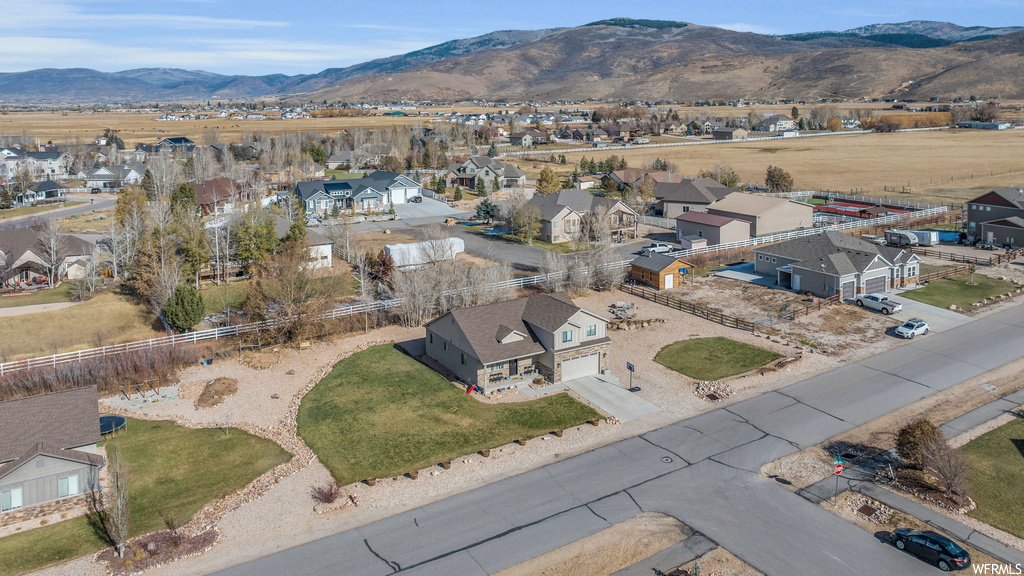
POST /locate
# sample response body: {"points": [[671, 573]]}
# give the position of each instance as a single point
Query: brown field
{"points": [[945, 166]]}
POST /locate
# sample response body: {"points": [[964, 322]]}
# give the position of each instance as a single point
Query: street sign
{"points": [[630, 367], [839, 469]]}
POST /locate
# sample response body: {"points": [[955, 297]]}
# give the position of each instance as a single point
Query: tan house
{"points": [[510, 343], [23, 254], [766, 214], [660, 271], [729, 134], [712, 227], [561, 214]]}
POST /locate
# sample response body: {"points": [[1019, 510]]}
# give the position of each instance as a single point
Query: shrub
{"points": [[185, 309], [327, 494], [912, 437]]}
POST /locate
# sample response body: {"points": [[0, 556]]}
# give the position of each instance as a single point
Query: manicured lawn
{"points": [[341, 175], [713, 358], [26, 210], [61, 293], [955, 290], [231, 294], [381, 413], [173, 473], [996, 461], [931, 268]]}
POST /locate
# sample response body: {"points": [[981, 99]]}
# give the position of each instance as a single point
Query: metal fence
{"points": [[239, 329]]}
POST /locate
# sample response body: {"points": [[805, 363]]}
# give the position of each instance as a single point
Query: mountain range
{"points": [[619, 58]]}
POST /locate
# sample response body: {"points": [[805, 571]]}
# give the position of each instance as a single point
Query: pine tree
{"points": [[481, 188], [458, 194], [185, 309], [492, 151]]}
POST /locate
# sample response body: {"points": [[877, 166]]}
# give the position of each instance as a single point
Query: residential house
{"points": [[675, 198], [766, 214], [587, 182], [775, 123], [714, 229], [374, 192], [49, 461], [729, 134], [832, 262], [995, 217], [659, 270], [497, 345], [562, 213], [321, 248], [218, 196], [48, 163], [23, 255], [529, 137], [468, 172], [115, 177], [48, 190], [712, 125]]}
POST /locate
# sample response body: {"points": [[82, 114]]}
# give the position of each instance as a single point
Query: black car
{"points": [[933, 547]]}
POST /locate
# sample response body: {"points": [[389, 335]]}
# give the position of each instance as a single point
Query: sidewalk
{"points": [[860, 479]]}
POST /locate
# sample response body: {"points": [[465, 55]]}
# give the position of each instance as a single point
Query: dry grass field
{"points": [[948, 165]]}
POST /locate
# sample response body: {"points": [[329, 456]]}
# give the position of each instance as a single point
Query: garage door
{"points": [[873, 285], [580, 366], [848, 291]]}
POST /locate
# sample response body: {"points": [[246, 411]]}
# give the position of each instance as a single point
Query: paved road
{"points": [[98, 202], [703, 471]]}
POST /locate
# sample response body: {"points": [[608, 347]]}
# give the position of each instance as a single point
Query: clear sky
{"points": [[306, 36]]}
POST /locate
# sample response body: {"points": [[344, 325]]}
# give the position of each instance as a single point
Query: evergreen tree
{"points": [[481, 187], [184, 198], [496, 185], [492, 151], [296, 232], [548, 182], [6, 199], [487, 210], [458, 194], [185, 309]]}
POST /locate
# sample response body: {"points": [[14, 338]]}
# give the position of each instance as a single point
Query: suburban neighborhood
{"points": [[368, 321]]}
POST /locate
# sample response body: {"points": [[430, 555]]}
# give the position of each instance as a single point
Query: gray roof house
{"points": [[994, 217], [561, 214], [48, 455], [487, 169], [375, 191], [115, 177], [495, 346], [675, 198], [22, 252], [833, 263]]}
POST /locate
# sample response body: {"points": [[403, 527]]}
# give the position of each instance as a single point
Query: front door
{"points": [[796, 283], [513, 368], [668, 281]]}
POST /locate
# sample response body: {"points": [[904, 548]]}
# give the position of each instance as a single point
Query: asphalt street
{"points": [[703, 471], [98, 202]]}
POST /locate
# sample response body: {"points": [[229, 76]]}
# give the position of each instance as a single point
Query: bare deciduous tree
{"points": [[117, 509], [946, 465], [52, 245], [290, 293]]}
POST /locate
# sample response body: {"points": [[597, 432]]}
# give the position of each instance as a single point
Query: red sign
{"points": [[839, 469]]}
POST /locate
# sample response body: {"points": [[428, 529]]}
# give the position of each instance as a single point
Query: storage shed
{"points": [[660, 271]]}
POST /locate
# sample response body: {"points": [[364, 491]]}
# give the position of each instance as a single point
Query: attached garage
{"points": [[849, 290], [580, 366], [874, 285]]}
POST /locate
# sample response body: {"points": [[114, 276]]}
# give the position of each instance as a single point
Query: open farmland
{"points": [[938, 165]]}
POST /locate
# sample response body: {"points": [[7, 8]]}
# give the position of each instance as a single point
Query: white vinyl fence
{"points": [[342, 311]]}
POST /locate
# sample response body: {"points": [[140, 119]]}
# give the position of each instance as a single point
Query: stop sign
{"points": [[839, 469]]}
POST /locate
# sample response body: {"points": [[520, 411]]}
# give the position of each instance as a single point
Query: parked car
{"points": [[932, 547], [658, 248], [879, 302], [416, 199], [912, 327], [642, 141], [95, 191]]}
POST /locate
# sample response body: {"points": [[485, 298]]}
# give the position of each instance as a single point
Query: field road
{"points": [[703, 471]]}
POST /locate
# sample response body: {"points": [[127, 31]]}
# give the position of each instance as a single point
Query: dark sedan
{"points": [[932, 547]]}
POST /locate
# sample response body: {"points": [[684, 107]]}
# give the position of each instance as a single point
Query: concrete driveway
{"points": [[428, 208], [938, 319], [605, 392]]}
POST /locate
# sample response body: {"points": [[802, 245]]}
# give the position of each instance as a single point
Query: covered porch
{"points": [[518, 372]]}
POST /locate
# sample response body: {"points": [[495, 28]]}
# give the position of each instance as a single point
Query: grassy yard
{"points": [[173, 473], [230, 293], [955, 290], [106, 319], [28, 210], [61, 293], [931, 268], [996, 461], [713, 358], [381, 413], [341, 175]]}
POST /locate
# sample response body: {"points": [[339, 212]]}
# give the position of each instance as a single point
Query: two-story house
{"points": [[776, 123], [468, 173], [997, 217], [562, 213], [496, 345]]}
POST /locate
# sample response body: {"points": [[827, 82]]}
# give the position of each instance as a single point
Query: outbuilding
{"points": [[660, 271], [716, 229]]}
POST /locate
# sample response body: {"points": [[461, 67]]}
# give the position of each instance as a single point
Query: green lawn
{"points": [[996, 461], [230, 293], [381, 413], [61, 293], [342, 175], [173, 472], [26, 210], [713, 358], [955, 290], [931, 268]]}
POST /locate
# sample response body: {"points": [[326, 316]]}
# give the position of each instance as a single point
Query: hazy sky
{"points": [[304, 36]]}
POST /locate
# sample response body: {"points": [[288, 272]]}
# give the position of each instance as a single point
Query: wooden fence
{"points": [[699, 311], [951, 271], [993, 260], [814, 307]]}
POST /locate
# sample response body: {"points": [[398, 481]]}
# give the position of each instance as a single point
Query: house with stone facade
{"points": [[475, 168], [511, 343], [49, 461]]}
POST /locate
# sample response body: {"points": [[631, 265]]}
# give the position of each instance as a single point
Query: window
{"points": [[67, 486], [10, 500], [462, 358], [700, 233], [554, 224], [430, 338], [973, 207], [592, 330], [773, 260], [988, 208], [912, 271], [567, 336], [444, 345], [496, 367]]}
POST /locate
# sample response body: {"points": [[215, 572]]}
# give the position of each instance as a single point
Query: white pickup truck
{"points": [[657, 248], [879, 302]]}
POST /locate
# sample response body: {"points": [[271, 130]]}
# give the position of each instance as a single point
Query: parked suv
{"points": [[912, 327], [658, 247], [879, 302], [932, 547]]}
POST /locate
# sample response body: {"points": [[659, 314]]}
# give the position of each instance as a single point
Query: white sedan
{"points": [[912, 327]]}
